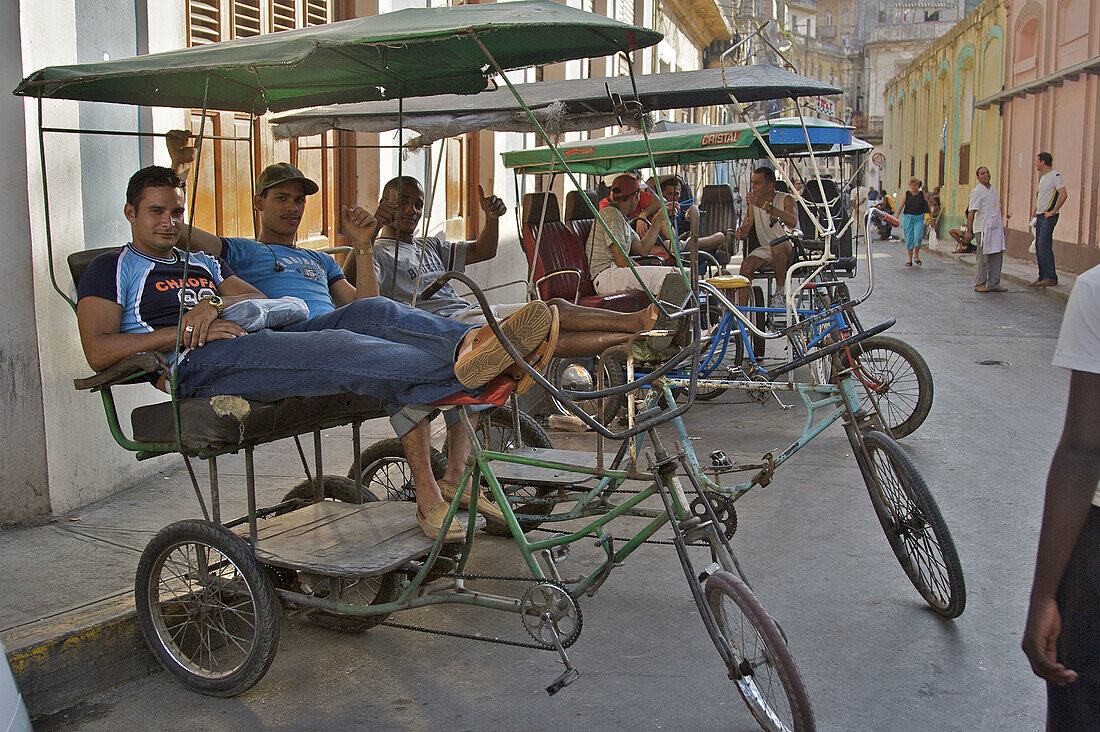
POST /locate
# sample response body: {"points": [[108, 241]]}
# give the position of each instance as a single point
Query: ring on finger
{"points": [[189, 329]]}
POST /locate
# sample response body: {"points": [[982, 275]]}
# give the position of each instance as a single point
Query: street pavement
{"points": [[872, 655]]}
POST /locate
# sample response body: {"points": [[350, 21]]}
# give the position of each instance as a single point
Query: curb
{"points": [[61, 660]]}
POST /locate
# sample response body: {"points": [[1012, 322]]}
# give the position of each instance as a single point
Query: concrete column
{"points": [[23, 487]]}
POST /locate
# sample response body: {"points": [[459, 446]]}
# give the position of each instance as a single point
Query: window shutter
{"points": [[246, 18], [203, 22], [318, 12], [284, 15]]}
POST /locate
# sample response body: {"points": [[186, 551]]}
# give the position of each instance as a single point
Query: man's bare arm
{"points": [[485, 246], [1071, 483], [361, 228], [99, 320], [183, 155]]}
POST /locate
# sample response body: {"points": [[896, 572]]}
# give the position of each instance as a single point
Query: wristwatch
{"points": [[216, 301]]}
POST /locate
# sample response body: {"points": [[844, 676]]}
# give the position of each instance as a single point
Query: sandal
{"points": [[908, 264]]}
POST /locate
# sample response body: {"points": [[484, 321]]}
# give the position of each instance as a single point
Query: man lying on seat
{"points": [[585, 332], [767, 213], [129, 300]]}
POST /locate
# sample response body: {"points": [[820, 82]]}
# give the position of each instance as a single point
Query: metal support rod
{"points": [[250, 480], [319, 480], [131, 133], [357, 461], [215, 494]]}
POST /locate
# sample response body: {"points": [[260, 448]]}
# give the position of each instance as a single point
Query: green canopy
{"points": [[412, 52], [691, 144]]}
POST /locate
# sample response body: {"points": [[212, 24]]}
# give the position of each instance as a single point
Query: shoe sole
{"points": [[525, 330]]}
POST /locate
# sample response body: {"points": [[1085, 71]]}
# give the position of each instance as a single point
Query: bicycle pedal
{"points": [[568, 677]]}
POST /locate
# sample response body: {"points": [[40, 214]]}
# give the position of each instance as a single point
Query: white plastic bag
{"points": [[1031, 225], [254, 315]]}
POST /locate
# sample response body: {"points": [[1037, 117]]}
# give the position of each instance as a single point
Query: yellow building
{"points": [[932, 130]]}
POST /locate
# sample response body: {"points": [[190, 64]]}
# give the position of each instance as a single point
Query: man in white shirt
{"points": [[1050, 196], [1062, 634], [985, 229]]}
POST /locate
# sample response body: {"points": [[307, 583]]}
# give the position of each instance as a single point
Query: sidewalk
{"points": [[1013, 271], [67, 618]]}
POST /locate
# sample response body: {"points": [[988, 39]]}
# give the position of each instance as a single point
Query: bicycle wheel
{"points": [[579, 374], [352, 591], [498, 433], [899, 379], [206, 607], [913, 524], [757, 657], [386, 472]]}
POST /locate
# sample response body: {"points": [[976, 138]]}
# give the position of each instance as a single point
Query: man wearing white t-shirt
{"points": [[1062, 634], [985, 229], [1050, 196]]}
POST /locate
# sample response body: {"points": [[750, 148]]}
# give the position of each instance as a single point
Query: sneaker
{"points": [[1045, 283], [981, 288], [998, 288]]}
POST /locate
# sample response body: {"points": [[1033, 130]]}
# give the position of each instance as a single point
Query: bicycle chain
{"points": [[499, 641]]}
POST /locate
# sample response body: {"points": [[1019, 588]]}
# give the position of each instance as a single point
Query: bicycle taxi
{"points": [[208, 591], [913, 524], [547, 495]]}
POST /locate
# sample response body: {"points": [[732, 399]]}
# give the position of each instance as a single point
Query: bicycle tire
{"points": [[761, 664], [907, 512], [355, 590], [183, 579], [386, 472], [906, 390], [578, 374]]}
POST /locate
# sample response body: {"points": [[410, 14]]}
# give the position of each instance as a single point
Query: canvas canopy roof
{"points": [[405, 53], [681, 146], [560, 106]]}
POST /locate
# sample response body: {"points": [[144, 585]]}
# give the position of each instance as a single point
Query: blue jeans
{"points": [[1044, 247], [375, 347]]}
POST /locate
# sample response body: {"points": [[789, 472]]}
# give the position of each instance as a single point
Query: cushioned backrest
{"points": [[576, 207], [533, 204], [79, 261], [558, 248], [719, 211]]}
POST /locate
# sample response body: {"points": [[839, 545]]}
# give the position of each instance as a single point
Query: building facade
{"points": [[1051, 103], [932, 130]]}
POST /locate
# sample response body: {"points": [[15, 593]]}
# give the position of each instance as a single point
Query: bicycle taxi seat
{"points": [[221, 423]]}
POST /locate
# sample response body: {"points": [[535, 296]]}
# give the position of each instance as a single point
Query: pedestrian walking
{"points": [[1049, 199], [985, 230], [1062, 634], [913, 208]]}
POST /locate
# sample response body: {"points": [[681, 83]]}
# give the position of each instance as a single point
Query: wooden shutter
{"points": [[284, 15], [246, 18], [204, 21]]}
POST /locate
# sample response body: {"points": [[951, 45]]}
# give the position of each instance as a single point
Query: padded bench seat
{"points": [[224, 421]]}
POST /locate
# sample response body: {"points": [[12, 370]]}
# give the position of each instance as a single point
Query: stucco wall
{"points": [[87, 179], [1062, 119]]}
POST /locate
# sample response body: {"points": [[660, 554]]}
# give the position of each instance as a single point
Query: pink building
{"points": [[1051, 103]]}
